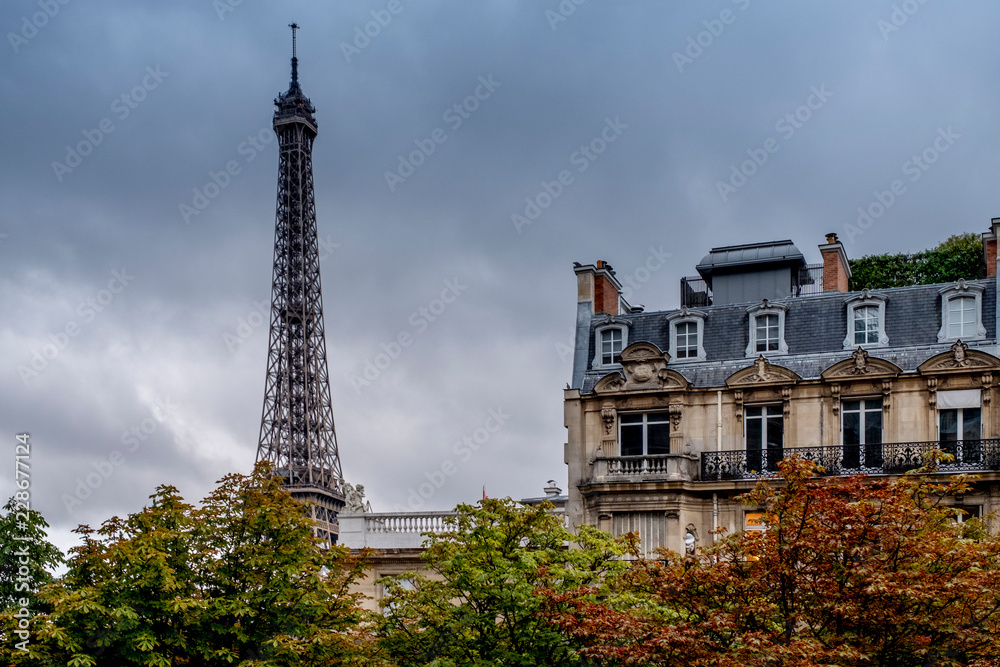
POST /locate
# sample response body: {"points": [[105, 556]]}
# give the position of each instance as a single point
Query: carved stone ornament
{"points": [[861, 365], [608, 418], [675, 417], [611, 382], [644, 369], [959, 358], [762, 372]]}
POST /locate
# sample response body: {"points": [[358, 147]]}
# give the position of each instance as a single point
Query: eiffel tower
{"points": [[296, 432]]}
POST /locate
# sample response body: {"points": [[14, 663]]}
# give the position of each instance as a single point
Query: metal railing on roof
{"points": [[695, 291]]}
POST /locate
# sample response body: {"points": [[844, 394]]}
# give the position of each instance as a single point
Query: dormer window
{"points": [[767, 329], [962, 312], [611, 345], [866, 321], [686, 335], [610, 338]]}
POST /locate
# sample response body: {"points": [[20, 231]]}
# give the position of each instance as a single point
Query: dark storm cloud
{"points": [[184, 93]]}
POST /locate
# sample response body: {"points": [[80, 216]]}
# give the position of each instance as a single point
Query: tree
{"points": [[959, 256], [480, 605], [240, 580], [27, 558], [850, 571]]}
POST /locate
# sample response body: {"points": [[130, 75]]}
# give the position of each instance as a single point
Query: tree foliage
{"points": [[240, 580], [849, 572], [959, 256], [27, 558], [480, 603]]}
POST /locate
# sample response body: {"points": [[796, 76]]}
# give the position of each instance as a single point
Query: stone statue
{"points": [[354, 499]]}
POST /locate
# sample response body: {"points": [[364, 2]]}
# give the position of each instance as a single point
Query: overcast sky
{"points": [[133, 283]]}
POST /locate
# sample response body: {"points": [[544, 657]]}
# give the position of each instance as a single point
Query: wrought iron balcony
{"points": [[891, 458], [645, 468]]}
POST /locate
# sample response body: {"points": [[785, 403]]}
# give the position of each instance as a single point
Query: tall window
{"points": [[611, 345], [644, 434], [765, 433], [962, 319], [768, 334], [687, 340], [960, 430], [861, 431]]}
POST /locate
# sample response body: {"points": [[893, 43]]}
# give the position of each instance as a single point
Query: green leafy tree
{"points": [[27, 563], [959, 256], [240, 580], [480, 602], [27, 558]]}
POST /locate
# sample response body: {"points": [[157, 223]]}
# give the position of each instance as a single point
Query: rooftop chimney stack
{"points": [[836, 270], [597, 283], [990, 248]]}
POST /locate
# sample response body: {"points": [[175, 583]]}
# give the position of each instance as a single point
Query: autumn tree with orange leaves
{"points": [[850, 571]]}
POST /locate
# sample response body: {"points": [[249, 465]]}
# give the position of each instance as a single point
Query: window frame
{"points": [[762, 309], [645, 431], [959, 290], [866, 300], [865, 450], [598, 361], [686, 316], [765, 454]]}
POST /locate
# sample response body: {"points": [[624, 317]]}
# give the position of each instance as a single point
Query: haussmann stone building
{"points": [[672, 414]]}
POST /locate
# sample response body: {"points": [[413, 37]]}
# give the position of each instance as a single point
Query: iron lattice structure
{"points": [[297, 433]]}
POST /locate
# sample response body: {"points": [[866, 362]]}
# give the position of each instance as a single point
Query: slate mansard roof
{"points": [[815, 328]]}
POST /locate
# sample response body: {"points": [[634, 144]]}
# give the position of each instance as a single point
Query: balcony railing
{"points": [[891, 458], [666, 466]]}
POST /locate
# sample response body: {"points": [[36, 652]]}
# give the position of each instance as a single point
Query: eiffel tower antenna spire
{"points": [[295, 60], [297, 433]]}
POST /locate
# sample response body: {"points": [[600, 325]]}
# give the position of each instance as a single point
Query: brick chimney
{"points": [[990, 248], [836, 270], [597, 283]]}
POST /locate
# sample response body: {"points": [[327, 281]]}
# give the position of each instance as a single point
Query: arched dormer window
{"points": [[962, 312], [767, 329], [686, 330], [866, 321], [610, 338]]}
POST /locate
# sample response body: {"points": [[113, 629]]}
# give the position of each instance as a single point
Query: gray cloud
{"points": [[497, 345]]}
